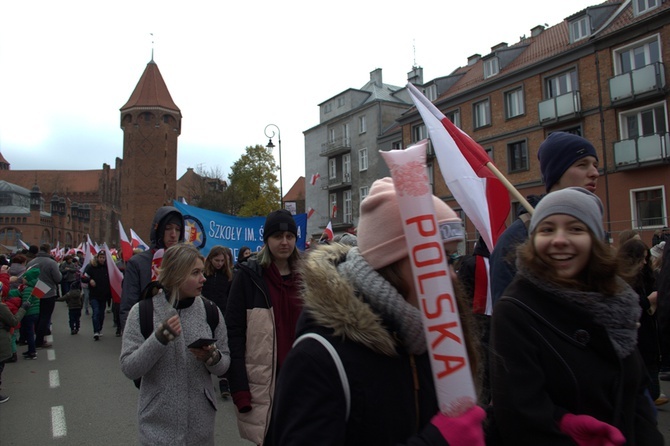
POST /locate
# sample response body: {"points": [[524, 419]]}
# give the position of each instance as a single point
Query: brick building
{"points": [[39, 206]]}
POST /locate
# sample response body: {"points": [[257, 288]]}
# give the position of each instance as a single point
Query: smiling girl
{"points": [[564, 367]]}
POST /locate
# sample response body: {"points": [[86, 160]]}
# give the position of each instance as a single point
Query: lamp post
{"points": [[272, 146]]}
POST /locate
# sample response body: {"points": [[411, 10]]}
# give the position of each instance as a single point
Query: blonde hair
{"points": [[176, 266]]}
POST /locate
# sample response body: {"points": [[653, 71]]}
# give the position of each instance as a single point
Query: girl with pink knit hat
{"points": [[359, 372]]}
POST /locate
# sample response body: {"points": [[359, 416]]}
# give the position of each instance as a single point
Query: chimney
{"points": [[536, 31], [415, 76], [499, 46], [474, 59], [376, 76]]}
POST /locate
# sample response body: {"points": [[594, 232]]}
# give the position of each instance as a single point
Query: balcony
{"points": [[642, 83], [641, 151], [343, 182], [336, 147], [561, 108]]}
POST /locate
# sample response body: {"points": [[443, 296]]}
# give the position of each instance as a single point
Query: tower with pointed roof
{"points": [[151, 124]]}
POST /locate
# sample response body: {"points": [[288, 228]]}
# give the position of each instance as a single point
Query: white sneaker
{"points": [[96, 336]]}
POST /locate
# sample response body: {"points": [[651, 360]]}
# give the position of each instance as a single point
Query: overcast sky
{"points": [[232, 68]]}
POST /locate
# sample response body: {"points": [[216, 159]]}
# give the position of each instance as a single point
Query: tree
{"points": [[252, 184]]}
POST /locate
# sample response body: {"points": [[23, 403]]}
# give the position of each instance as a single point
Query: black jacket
{"points": [[549, 357], [101, 290], [216, 289]]}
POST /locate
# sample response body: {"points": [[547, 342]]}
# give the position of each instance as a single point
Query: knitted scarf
{"points": [[619, 313], [401, 317]]}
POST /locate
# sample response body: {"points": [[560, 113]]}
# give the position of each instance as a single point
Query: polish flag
{"points": [[23, 244], [465, 168], [333, 214], [310, 212], [137, 242], [126, 247], [40, 289], [156, 264], [328, 232], [115, 275], [93, 248], [315, 177]]}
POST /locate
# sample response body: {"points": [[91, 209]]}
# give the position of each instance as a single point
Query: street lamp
{"points": [[272, 146]]}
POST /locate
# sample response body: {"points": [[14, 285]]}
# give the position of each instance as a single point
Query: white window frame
{"points": [[328, 108], [514, 103], [482, 111], [617, 53], [340, 102], [332, 169], [346, 167], [332, 198], [526, 164], [633, 207], [430, 92], [363, 159], [331, 135], [363, 192], [347, 214], [455, 117], [623, 120], [580, 28], [362, 125], [346, 135], [419, 132], [491, 67], [643, 6], [557, 85]]}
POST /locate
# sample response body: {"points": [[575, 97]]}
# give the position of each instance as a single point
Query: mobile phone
{"points": [[202, 342]]}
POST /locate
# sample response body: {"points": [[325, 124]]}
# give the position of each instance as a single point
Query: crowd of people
{"points": [[328, 346]]}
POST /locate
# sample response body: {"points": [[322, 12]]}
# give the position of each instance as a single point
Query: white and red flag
{"points": [[126, 247], [463, 162], [23, 244], [315, 177], [310, 212], [40, 289], [137, 242], [115, 276], [328, 232], [156, 264], [333, 213]]}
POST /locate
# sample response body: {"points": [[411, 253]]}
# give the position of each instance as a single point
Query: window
{"points": [[430, 92], [648, 207], [396, 145], [333, 205], [332, 168], [9, 236], [638, 55], [642, 6], [346, 135], [347, 206], [561, 84], [643, 122], [328, 108], [482, 114], [363, 192], [340, 102], [489, 152], [331, 135], [363, 159], [346, 167], [580, 28], [514, 103], [418, 132], [517, 155], [455, 117], [362, 128], [491, 67]]}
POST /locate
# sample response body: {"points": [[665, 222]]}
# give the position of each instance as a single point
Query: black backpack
{"points": [[147, 321]]}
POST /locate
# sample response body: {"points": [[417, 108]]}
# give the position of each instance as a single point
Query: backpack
{"points": [[147, 320]]}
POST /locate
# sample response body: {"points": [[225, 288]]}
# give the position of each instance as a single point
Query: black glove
{"points": [[26, 305]]}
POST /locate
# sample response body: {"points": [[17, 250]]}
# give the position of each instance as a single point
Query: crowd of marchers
{"points": [[328, 346]]}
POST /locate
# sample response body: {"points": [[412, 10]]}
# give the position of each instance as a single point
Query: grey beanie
{"points": [[574, 201]]}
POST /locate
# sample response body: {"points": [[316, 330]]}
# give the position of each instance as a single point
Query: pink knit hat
{"points": [[381, 238]]}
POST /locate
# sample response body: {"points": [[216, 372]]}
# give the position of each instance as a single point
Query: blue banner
{"points": [[205, 229]]}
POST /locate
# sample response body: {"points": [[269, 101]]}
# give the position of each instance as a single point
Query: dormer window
{"points": [[491, 67], [580, 28], [642, 6]]}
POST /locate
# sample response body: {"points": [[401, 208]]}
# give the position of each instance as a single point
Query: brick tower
{"points": [[151, 124]]}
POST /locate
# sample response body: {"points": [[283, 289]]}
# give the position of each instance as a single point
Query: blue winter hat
{"points": [[558, 152]]}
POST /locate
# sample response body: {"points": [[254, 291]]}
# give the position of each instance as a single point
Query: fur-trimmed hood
{"points": [[332, 301]]}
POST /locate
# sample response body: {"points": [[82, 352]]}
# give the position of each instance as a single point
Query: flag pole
{"points": [[510, 187]]}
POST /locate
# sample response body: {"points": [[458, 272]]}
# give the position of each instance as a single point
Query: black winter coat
{"points": [[549, 357], [101, 290], [216, 289]]}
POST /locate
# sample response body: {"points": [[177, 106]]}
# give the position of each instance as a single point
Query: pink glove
{"points": [[464, 430], [587, 431]]}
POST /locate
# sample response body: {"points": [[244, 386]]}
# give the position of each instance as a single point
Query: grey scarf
{"points": [[385, 300], [619, 314]]}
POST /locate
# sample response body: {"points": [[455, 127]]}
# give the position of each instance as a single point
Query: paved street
{"points": [[75, 394]]}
